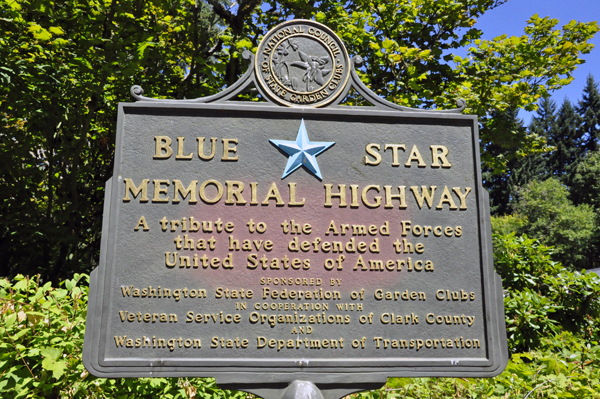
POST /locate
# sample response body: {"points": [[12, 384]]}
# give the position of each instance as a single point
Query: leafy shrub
{"points": [[554, 220], [528, 319], [566, 368], [42, 331], [507, 224], [523, 262], [579, 297], [541, 297]]}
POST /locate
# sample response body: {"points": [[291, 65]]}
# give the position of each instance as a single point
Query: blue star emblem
{"points": [[302, 152]]}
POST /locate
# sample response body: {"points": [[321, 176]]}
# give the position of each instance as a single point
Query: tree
{"points": [[554, 220], [544, 122], [589, 110], [586, 181], [520, 171], [66, 65], [567, 142], [408, 46], [525, 168], [585, 189]]}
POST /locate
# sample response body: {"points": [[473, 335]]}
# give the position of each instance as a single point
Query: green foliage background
{"points": [[552, 195]]}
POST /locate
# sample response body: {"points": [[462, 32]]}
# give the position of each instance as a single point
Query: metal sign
{"points": [[259, 243]]}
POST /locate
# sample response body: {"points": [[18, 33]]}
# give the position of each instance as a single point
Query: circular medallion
{"points": [[302, 63]]}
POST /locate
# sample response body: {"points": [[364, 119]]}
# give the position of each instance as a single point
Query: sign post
{"points": [[296, 246]]}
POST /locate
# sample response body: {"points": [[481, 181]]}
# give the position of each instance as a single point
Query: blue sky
{"points": [[511, 19]]}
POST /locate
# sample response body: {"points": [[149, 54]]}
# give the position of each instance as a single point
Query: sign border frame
{"points": [[286, 370]]}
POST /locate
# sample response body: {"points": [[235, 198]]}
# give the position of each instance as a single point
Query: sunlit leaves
{"points": [[243, 44], [53, 362], [404, 40], [39, 32], [40, 353], [65, 66]]}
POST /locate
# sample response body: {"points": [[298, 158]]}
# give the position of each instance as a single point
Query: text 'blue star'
{"points": [[302, 152]]}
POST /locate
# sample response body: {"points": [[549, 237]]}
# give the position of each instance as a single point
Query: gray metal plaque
{"points": [[263, 243]]}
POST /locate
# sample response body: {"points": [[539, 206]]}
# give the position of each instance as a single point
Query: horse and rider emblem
{"points": [[314, 67], [302, 63]]}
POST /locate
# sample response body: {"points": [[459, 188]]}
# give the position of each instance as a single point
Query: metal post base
{"points": [[303, 389]]}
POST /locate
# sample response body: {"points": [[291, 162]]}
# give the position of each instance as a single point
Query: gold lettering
{"points": [[163, 147], [401, 196], [446, 198], [234, 189], [463, 197], [158, 190], [142, 223], [395, 147], [341, 195], [375, 154], [217, 196], [253, 189], [425, 195], [437, 156], [293, 201], [201, 154], [180, 150], [227, 150], [135, 191], [190, 190], [376, 198], [273, 194], [415, 155]]}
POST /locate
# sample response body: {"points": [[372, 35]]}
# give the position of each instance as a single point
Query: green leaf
{"points": [[387, 43], [141, 48], [10, 319], [53, 353], [21, 285], [56, 30], [53, 362], [14, 5], [20, 333], [244, 43], [39, 32], [226, 38]]}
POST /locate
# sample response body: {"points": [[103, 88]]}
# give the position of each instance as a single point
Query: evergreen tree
{"points": [[524, 169], [567, 142], [544, 124], [545, 121], [585, 188], [589, 110], [520, 170]]}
